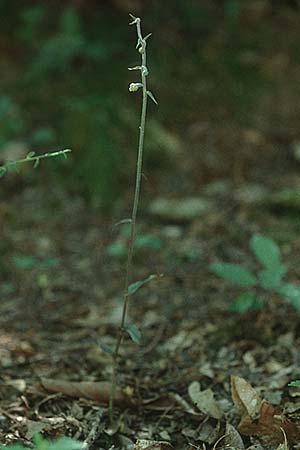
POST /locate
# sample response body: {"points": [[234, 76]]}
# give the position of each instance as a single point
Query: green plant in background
{"points": [[132, 288], [31, 157], [268, 280], [40, 443]]}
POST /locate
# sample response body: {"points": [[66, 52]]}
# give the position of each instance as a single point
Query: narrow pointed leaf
{"points": [[149, 93], [106, 348], [133, 332], [2, 171], [36, 164], [132, 288]]}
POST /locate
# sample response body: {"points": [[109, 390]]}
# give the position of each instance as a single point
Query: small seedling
{"points": [[269, 279]]}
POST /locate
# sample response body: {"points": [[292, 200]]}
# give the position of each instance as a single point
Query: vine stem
{"points": [[141, 46]]}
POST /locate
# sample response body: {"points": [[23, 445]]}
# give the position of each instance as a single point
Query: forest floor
{"points": [[200, 372]]}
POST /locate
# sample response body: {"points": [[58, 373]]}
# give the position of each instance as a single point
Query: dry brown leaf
{"points": [[270, 425], [260, 418], [98, 391], [245, 397], [205, 400]]}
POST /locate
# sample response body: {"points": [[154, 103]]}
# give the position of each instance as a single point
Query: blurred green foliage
{"points": [[65, 80]]}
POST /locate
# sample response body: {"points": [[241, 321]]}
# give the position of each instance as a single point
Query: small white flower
{"points": [[133, 87]]}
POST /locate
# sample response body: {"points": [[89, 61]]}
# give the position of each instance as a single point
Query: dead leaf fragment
{"points": [[233, 438], [205, 400], [245, 397]]}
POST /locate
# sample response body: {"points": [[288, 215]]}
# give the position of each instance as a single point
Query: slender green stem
{"points": [[143, 69]]}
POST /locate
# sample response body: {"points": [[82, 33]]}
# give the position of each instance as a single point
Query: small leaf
{"points": [[266, 251], [116, 249], [148, 240], [294, 383], [26, 261], [3, 171], [133, 332], [245, 302], [107, 348], [36, 163], [30, 155], [271, 279], [132, 288], [149, 93], [292, 294], [13, 165], [235, 273]]}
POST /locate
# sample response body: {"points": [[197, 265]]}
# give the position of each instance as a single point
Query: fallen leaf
{"points": [[98, 391], [233, 438], [204, 400], [260, 418], [245, 397]]}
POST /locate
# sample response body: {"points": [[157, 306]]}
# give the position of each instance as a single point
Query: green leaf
{"points": [[107, 348], [40, 442], [266, 251], [294, 383], [3, 171], [234, 273], [292, 294], [149, 93], [116, 249], [245, 302], [271, 279], [26, 262], [36, 163], [132, 288], [13, 447], [30, 155], [133, 332], [65, 444], [13, 165], [148, 240]]}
